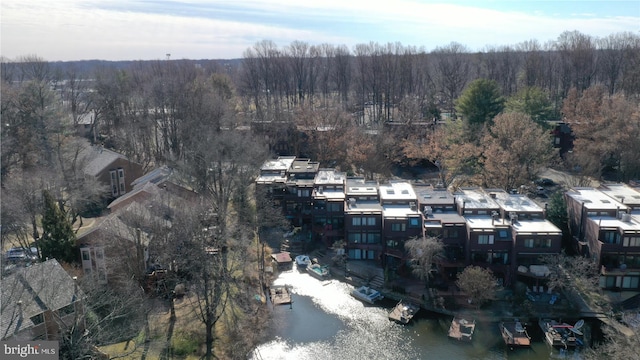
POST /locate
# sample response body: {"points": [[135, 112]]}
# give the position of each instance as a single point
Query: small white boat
{"points": [[366, 294], [318, 271], [302, 261]]}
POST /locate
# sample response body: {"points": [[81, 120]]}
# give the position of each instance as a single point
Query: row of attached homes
{"points": [[507, 233]]}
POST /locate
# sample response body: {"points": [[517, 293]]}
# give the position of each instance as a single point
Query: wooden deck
{"points": [[403, 312], [279, 295], [462, 328]]}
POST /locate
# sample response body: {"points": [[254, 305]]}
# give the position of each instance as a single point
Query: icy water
{"points": [[325, 322]]}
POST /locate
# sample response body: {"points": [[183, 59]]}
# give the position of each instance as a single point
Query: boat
{"points": [[280, 295], [318, 271], [562, 335], [403, 312], [302, 261], [514, 334], [366, 294], [462, 328]]}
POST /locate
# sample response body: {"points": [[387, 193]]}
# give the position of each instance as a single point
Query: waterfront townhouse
{"points": [[328, 205], [489, 241], [401, 221], [441, 219], [588, 202], [606, 222], [273, 177], [299, 188], [363, 220], [532, 235]]}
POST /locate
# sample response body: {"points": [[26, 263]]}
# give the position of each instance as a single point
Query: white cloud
{"points": [[74, 29]]}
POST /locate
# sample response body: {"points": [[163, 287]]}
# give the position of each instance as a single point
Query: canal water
{"points": [[325, 322]]}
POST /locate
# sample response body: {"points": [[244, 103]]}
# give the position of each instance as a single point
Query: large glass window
{"points": [[399, 227], [356, 221], [485, 239], [631, 241], [611, 237], [371, 221]]}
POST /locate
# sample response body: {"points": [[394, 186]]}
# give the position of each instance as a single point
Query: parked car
{"points": [[17, 254], [545, 182]]}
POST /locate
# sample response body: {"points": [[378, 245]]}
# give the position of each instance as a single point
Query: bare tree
{"points": [[423, 253], [478, 284]]}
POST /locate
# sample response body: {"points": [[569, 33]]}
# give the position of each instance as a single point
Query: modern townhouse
{"points": [[328, 211], [273, 177], [299, 190], [605, 224], [532, 235], [401, 221], [441, 219], [363, 220]]}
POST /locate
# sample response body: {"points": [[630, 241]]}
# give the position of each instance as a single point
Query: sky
{"points": [[64, 30]]}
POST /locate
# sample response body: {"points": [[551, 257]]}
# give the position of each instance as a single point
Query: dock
{"points": [[280, 295], [403, 312]]}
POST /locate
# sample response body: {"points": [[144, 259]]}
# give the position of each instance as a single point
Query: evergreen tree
{"points": [[480, 102], [58, 239]]}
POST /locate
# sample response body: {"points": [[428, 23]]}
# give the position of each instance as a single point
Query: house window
{"points": [[99, 253], [85, 255], [537, 243], [304, 193], [121, 180], [630, 282], [371, 221], [355, 238], [356, 221], [373, 238], [114, 183], [414, 222], [69, 309], [485, 239], [503, 234], [450, 233], [399, 227], [631, 241], [37, 319], [611, 237], [334, 207]]}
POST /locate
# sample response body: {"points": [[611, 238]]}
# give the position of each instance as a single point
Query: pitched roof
{"points": [[40, 287], [99, 158]]}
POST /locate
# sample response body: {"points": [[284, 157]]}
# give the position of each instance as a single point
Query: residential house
{"points": [[401, 221], [39, 302], [363, 220], [273, 178], [531, 234], [606, 226], [114, 170], [441, 219], [299, 190], [328, 199], [587, 202], [119, 245]]}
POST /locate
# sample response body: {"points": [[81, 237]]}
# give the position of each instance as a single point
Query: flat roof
{"points": [[271, 178], [304, 166], [594, 199], [331, 194], [485, 222], [398, 211], [359, 206], [281, 163], [329, 177], [622, 193], [612, 222], [448, 218], [429, 195], [475, 198], [516, 203], [397, 191], [535, 226]]}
